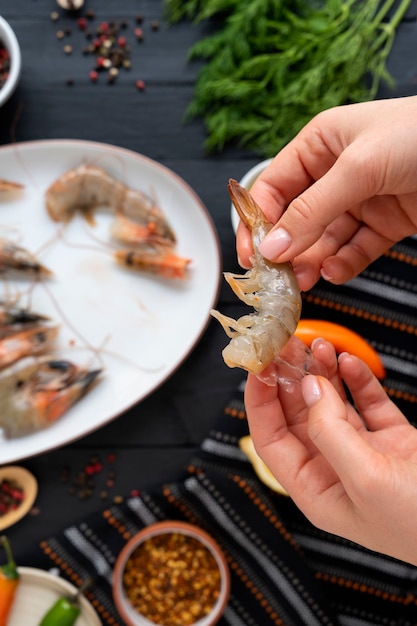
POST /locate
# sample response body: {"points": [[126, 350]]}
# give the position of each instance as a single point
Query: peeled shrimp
{"points": [[271, 289], [15, 345], [36, 391], [85, 188], [158, 260], [14, 258]]}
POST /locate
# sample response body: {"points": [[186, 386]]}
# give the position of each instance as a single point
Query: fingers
{"points": [[282, 450], [372, 402], [340, 443], [308, 215]]}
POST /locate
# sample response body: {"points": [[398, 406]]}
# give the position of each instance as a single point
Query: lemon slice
{"points": [[262, 471]]}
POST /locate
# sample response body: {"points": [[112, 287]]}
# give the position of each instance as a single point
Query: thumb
{"points": [[308, 215]]}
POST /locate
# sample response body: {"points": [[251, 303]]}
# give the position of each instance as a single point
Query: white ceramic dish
{"points": [[247, 181], [9, 39], [27, 482], [142, 326], [37, 591]]}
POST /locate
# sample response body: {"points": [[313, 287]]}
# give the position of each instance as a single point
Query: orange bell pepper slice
{"points": [[343, 339]]}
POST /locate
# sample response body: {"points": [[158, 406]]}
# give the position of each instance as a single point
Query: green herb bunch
{"points": [[271, 65]]}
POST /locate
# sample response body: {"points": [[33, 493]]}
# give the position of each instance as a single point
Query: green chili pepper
{"points": [[65, 611]]}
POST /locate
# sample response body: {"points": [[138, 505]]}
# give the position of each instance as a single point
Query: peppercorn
{"points": [[140, 85]]}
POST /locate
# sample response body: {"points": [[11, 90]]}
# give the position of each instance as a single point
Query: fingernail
{"points": [[325, 275], [310, 389], [275, 243]]}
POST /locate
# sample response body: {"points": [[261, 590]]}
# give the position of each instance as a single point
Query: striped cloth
{"points": [[284, 571]]}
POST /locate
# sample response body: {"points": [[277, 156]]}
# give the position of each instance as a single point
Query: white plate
{"points": [[143, 326], [37, 592]]}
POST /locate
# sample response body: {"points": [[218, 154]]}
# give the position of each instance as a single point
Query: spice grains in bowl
{"points": [[171, 574]]}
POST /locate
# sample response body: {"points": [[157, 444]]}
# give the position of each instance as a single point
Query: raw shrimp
{"points": [[158, 260], [36, 391], [14, 258], [12, 316], [15, 345], [271, 289], [85, 188]]}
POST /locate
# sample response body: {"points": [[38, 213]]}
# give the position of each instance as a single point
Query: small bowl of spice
{"points": [[10, 61], [171, 574]]}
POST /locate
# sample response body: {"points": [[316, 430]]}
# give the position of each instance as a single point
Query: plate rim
{"points": [[60, 143]]}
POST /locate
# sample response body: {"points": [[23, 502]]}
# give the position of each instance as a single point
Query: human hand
{"points": [[351, 475], [342, 192]]}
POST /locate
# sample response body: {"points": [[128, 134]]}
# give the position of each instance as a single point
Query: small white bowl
{"points": [[247, 181], [9, 41], [129, 614]]}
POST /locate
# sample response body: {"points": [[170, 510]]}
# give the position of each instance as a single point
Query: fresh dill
{"points": [[271, 65]]}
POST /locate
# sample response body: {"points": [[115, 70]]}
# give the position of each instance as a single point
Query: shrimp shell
{"points": [[85, 188], [270, 288], [36, 391]]}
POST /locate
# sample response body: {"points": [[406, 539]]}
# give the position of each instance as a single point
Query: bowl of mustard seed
{"points": [[171, 574], [10, 61]]}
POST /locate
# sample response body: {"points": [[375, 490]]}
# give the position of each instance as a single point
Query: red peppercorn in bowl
{"points": [[10, 61], [171, 574]]}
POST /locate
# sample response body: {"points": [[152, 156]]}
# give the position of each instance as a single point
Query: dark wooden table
{"points": [[151, 442]]}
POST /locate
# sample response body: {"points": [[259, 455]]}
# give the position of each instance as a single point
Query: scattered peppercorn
{"points": [[140, 85], [172, 579], [69, 81], [82, 23], [109, 47]]}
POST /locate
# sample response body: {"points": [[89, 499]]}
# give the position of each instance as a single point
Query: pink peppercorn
{"points": [[140, 85], [93, 76], [82, 23]]}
